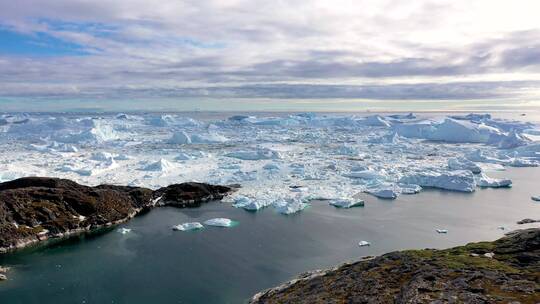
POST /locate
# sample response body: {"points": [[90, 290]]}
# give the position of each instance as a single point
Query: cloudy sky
{"points": [[334, 52]]}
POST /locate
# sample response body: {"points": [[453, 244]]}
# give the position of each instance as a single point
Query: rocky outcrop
{"points": [[33, 209], [504, 271]]}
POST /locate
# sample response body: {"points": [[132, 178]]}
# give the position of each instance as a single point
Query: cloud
{"points": [[384, 49]]}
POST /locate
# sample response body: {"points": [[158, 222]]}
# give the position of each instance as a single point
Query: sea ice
{"points": [[188, 226]]}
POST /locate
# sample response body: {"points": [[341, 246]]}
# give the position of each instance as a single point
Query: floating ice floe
{"points": [[220, 222], [256, 154], [459, 180], [364, 243], [485, 181], [444, 231], [124, 230], [460, 163], [188, 226], [347, 203]]}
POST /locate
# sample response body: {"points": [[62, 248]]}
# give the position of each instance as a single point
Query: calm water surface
{"points": [[154, 264]]}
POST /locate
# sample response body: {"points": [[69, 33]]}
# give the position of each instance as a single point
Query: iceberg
{"points": [[289, 206], [188, 226], [220, 222], [347, 203], [210, 138], [364, 243], [384, 193], [485, 181], [460, 163], [459, 180], [249, 203], [376, 121], [410, 189], [161, 165], [180, 138]]}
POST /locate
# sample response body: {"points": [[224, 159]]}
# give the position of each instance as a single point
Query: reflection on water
{"points": [[154, 264]]}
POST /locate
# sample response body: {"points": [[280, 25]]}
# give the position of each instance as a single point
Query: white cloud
{"points": [[233, 43]]}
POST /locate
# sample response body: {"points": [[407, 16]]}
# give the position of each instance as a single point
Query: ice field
{"points": [[280, 162]]}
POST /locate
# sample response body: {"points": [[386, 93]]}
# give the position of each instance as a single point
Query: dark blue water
{"points": [[154, 264]]}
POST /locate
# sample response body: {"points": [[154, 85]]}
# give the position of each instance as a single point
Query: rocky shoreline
{"points": [[35, 209], [503, 271]]}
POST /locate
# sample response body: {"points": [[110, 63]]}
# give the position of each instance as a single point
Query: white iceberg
{"points": [[376, 121], [485, 181], [289, 206], [219, 222], [384, 193], [459, 180], [364, 243], [210, 138], [347, 203], [249, 203], [460, 163], [188, 226], [180, 138], [161, 165]]}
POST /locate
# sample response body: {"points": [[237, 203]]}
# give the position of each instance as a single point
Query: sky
{"points": [[236, 54]]}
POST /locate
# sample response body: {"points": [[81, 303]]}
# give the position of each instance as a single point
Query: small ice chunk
{"points": [[441, 231], [347, 203], [188, 226], [485, 181], [249, 203], [124, 230], [364, 243], [219, 222]]}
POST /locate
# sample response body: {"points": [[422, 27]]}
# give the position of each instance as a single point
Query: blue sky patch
{"points": [[37, 44]]}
